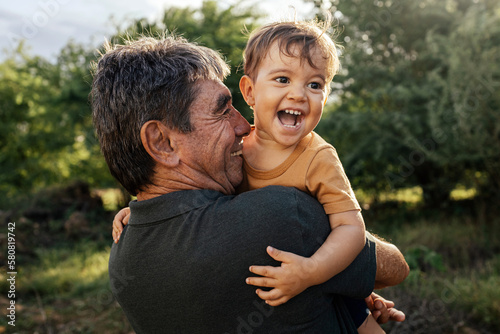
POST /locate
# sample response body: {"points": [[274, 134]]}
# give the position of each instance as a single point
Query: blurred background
{"points": [[414, 115]]}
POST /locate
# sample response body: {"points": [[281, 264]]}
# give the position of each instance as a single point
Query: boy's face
{"points": [[287, 95]]}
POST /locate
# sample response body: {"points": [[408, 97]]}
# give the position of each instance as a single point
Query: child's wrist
{"points": [[312, 272]]}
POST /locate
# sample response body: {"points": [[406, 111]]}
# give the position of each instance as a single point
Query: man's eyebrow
{"points": [[222, 102]]}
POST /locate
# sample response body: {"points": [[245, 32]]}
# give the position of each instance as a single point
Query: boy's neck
{"points": [[264, 154]]}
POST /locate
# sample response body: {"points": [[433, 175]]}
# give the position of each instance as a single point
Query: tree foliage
{"points": [[46, 135], [418, 99]]}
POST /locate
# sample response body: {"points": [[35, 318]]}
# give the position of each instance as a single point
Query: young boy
{"points": [[288, 69]]}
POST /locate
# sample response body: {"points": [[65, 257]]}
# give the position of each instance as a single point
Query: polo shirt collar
{"points": [[170, 205]]}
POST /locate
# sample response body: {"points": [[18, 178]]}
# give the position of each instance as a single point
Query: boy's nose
{"points": [[297, 93]]}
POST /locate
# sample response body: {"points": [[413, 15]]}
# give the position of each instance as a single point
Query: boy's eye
{"points": [[315, 85], [282, 80]]}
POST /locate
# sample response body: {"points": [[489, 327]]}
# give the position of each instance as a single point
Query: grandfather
{"points": [[171, 136]]}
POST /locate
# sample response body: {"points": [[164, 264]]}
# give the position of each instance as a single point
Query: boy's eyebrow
{"points": [[278, 70], [222, 102], [286, 70]]}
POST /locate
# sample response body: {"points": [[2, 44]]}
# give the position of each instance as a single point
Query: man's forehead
{"points": [[212, 95]]}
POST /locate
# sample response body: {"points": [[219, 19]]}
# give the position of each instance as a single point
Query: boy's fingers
{"points": [[384, 315], [369, 303], [388, 303], [261, 281], [279, 255], [267, 271], [117, 227], [272, 295], [116, 235], [123, 216], [396, 315], [277, 302]]}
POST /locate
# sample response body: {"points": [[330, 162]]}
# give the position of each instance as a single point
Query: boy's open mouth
{"points": [[290, 118]]}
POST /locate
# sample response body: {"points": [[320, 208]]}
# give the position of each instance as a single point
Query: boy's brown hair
{"points": [[307, 35]]}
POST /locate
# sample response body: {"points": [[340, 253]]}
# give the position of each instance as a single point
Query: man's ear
{"points": [[156, 138], [247, 90]]}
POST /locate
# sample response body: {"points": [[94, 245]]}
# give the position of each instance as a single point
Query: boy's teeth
{"points": [[292, 112], [236, 153]]}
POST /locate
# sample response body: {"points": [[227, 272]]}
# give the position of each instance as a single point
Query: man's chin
{"points": [[236, 179]]}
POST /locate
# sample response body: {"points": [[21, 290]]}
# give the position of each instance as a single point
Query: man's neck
{"points": [[162, 185]]}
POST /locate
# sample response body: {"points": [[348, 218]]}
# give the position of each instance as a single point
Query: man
{"points": [[171, 136]]}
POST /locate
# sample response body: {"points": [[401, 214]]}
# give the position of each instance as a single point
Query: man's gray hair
{"points": [[143, 80]]}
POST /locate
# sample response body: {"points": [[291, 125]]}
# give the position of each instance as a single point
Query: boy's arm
{"points": [[341, 247], [297, 273]]}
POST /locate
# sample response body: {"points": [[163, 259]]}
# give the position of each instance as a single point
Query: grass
{"points": [[63, 286], [66, 291], [455, 272], [67, 271]]}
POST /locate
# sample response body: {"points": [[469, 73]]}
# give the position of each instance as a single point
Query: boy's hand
{"points": [[120, 220], [383, 310], [287, 281]]}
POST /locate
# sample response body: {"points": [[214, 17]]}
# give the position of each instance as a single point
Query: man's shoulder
{"points": [[277, 203], [275, 196]]}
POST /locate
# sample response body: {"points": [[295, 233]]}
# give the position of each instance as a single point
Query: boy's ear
{"points": [[156, 138], [246, 88]]}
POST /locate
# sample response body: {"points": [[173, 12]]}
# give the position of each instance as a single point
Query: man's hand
{"points": [[120, 220], [287, 281], [383, 310]]}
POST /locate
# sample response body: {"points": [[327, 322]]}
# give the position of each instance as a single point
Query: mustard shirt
{"points": [[313, 167]]}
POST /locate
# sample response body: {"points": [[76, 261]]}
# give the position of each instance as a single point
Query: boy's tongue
{"points": [[287, 119]]}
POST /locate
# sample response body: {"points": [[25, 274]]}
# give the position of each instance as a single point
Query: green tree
{"points": [[405, 111], [46, 135]]}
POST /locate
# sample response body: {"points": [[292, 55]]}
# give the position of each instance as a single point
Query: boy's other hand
{"points": [[383, 310], [120, 220]]}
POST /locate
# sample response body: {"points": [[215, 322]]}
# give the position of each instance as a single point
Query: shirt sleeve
{"points": [[327, 181]]}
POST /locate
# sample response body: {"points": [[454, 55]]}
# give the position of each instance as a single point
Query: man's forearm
{"points": [[392, 268]]}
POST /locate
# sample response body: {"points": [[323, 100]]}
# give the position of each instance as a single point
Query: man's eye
{"points": [[315, 85], [283, 80]]}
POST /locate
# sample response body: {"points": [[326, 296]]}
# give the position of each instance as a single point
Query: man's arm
{"points": [[392, 268]]}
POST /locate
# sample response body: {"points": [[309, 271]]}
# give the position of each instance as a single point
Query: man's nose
{"points": [[241, 126]]}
